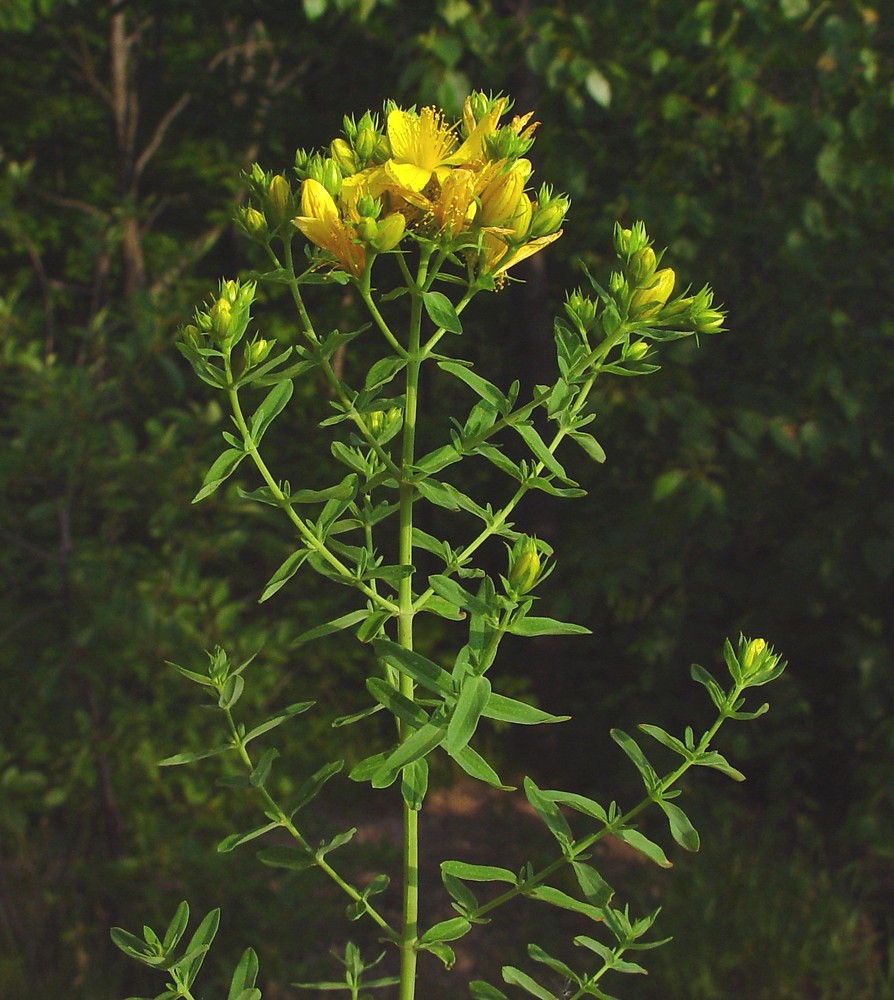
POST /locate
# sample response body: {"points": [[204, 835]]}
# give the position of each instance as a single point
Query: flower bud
{"points": [[581, 309], [520, 222], [221, 313], [279, 196], [500, 199], [636, 351], [390, 232], [254, 223], [642, 266], [257, 351], [367, 229], [549, 218], [524, 565], [622, 240], [646, 303], [365, 144], [344, 156], [332, 177], [617, 284], [750, 658]]}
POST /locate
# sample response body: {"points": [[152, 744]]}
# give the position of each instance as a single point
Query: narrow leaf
{"points": [[476, 383], [336, 625], [515, 977], [188, 758], [235, 839], [446, 930], [414, 665], [245, 975], [274, 403], [473, 698], [477, 873], [549, 812], [633, 751], [531, 625], [285, 573], [639, 842], [682, 830], [224, 467], [519, 713]]}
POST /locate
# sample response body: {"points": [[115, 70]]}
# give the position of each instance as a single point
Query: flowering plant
{"points": [[451, 208]]}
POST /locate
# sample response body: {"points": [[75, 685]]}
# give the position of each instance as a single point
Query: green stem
{"points": [[582, 846], [334, 382], [409, 929], [309, 537], [275, 812]]}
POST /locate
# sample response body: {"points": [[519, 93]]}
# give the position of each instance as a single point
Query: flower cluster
{"points": [[462, 187]]}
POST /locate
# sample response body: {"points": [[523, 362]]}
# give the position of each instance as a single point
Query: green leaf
{"points": [[417, 745], [594, 887], [477, 873], [383, 371], [414, 783], [135, 947], [478, 768], [339, 840], [633, 751], [481, 990], [515, 977], [345, 490], [310, 788], [176, 927], [231, 691], [286, 857], [555, 897], [285, 573], [671, 742], [245, 976], [472, 700], [261, 771], [201, 942], [559, 967], [441, 312], [336, 625], [682, 830], [541, 452], [639, 842], [531, 625], [701, 676], [274, 403], [190, 757], [450, 590], [719, 763], [224, 467], [278, 719], [486, 390], [580, 803], [235, 839], [589, 444], [519, 713], [447, 930], [414, 665], [202, 679], [549, 812], [398, 704]]}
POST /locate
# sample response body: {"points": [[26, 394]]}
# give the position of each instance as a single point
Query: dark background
{"points": [[748, 485]]}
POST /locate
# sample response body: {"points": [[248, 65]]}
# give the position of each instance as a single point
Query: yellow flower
{"points": [[424, 145], [499, 256], [455, 206], [322, 224]]}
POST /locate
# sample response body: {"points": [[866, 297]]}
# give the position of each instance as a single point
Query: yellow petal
{"points": [[407, 176], [316, 202]]}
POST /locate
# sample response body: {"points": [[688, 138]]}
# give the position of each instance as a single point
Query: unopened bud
{"points": [[254, 222], [257, 351], [549, 219], [279, 195], [524, 567], [750, 658], [581, 309], [642, 266], [367, 229], [637, 351], [390, 232], [221, 313], [622, 240], [500, 199], [344, 156], [646, 303], [365, 144]]}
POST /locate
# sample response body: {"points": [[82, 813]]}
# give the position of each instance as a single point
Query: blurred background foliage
{"points": [[750, 485]]}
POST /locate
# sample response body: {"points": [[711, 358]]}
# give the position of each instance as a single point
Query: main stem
{"points": [[410, 923]]}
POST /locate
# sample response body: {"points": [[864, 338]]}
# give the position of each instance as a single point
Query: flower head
{"points": [[322, 224]]}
